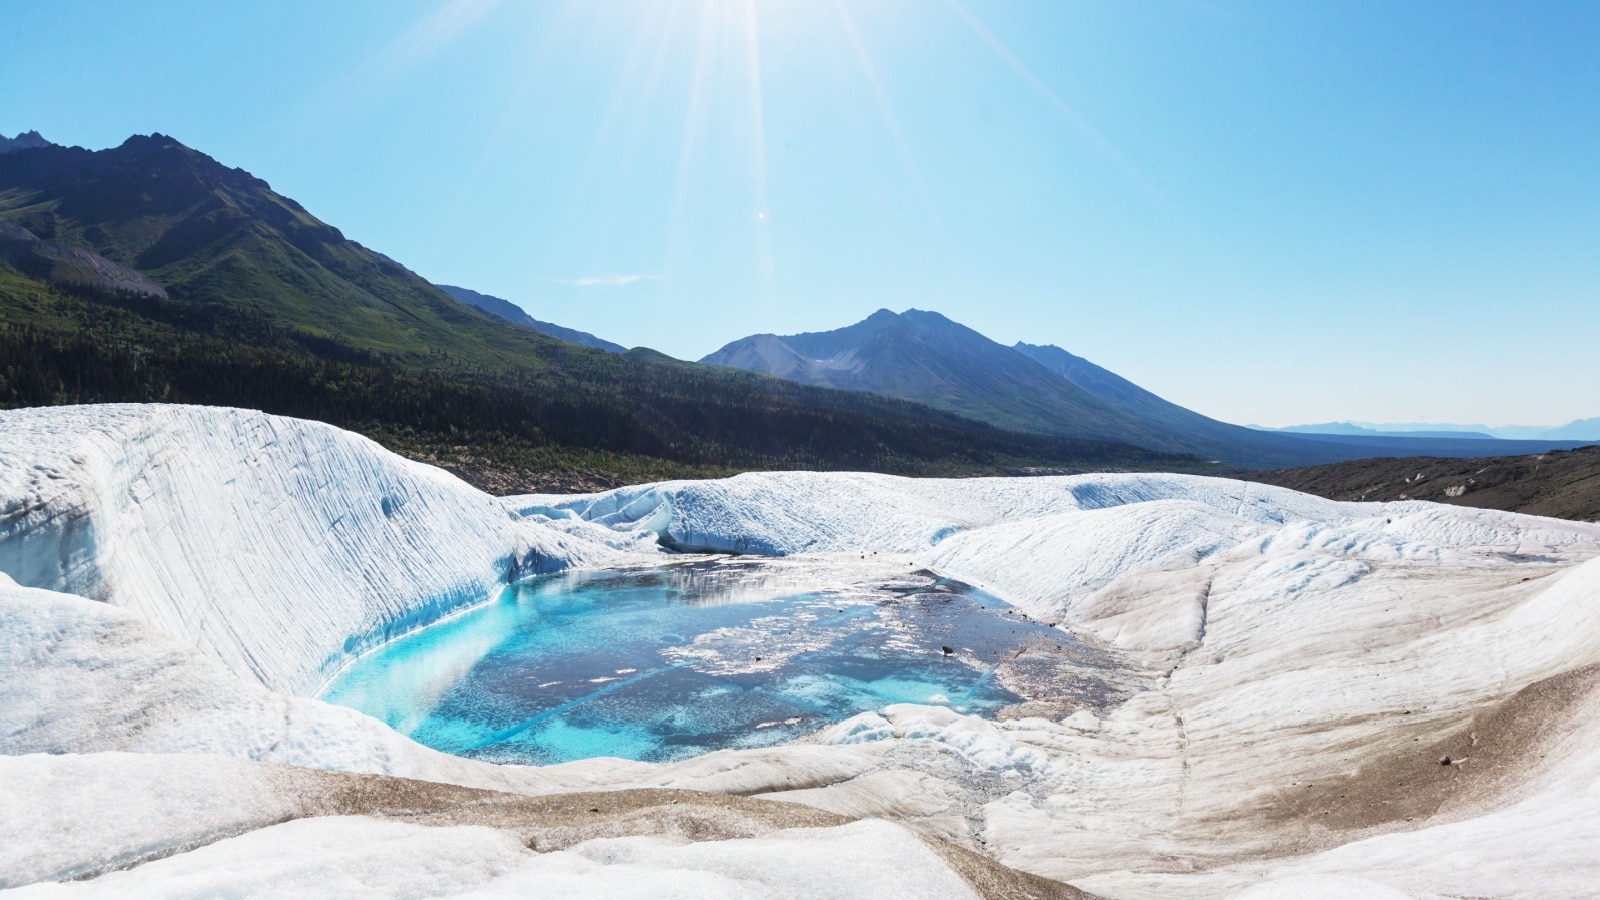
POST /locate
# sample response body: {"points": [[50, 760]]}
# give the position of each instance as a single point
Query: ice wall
{"points": [[275, 546]]}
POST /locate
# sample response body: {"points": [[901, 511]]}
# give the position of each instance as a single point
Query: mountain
{"points": [[1419, 428], [1122, 394], [27, 140], [1350, 428], [925, 357], [1236, 443], [268, 307], [1577, 430], [212, 235], [515, 314]]}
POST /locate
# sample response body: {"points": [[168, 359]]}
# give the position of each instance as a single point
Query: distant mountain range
{"points": [[1578, 430], [27, 140], [1350, 428], [516, 315], [926, 357], [152, 272]]}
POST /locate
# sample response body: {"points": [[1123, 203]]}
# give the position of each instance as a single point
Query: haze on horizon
{"points": [[1266, 213]]}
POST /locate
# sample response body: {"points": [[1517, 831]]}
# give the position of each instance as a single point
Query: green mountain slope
{"points": [[270, 308], [210, 233]]}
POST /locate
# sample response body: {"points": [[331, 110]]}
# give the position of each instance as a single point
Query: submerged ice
{"points": [[664, 663]]}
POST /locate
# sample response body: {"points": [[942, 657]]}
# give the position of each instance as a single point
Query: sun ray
{"points": [[623, 106], [1101, 143], [693, 121], [525, 83], [765, 264], [636, 120], [890, 119], [420, 42]]}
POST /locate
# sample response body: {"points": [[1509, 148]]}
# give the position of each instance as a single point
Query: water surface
{"points": [[665, 663]]}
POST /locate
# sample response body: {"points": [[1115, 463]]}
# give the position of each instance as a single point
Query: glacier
{"points": [[1334, 699], [224, 529]]}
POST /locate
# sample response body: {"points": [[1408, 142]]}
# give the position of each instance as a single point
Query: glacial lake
{"points": [[670, 662]]}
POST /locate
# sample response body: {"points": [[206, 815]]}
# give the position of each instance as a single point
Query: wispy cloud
{"points": [[605, 280]]}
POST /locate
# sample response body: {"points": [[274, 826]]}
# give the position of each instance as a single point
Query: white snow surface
{"points": [[1287, 640], [783, 513], [347, 856], [226, 814], [79, 676], [127, 807], [1276, 641], [1052, 545]]}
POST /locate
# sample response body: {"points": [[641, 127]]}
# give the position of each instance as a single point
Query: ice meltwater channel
{"points": [[664, 663]]}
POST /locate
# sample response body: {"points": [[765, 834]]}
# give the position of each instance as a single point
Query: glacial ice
{"points": [[221, 526], [1297, 668]]}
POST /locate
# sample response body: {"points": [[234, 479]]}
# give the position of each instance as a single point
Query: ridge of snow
{"points": [[1060, 547], [781, 513], [784, 513]]}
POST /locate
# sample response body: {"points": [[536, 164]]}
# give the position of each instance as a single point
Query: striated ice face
{"points": [[665, 663]]}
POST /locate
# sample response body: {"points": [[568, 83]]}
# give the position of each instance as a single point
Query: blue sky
{"points": [[1268, 212]]}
